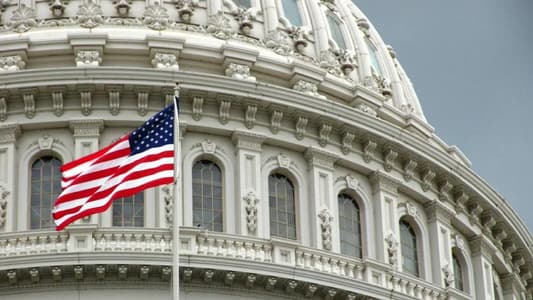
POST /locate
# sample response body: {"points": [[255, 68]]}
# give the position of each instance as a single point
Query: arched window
{"points": [[243, 3], [409, 248], [350, 225], [292, 12], [457, 273], [129, 211], [45, 187], [207, 195], [336, 32], [373, 56], [282, 207]]}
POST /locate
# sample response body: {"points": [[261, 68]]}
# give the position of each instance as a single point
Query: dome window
{"points": [[282, 207], [409, 248], [45, 187], [373, 56], [207, 195], [350, 225], [292, 12], [129, 211], [457, 273], [336, 31], [243, 3]]}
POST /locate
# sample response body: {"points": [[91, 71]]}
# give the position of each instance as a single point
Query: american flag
{"points": [[138, 161]]}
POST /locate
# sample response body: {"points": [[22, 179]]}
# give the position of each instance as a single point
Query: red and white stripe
{"points": [[91, 183]]}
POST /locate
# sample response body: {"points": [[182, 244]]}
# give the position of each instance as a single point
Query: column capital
{"points": [[384, 182], [86, 128], [481, 245], [248, 140], [9, 132], [320, 158], [437, 211]]}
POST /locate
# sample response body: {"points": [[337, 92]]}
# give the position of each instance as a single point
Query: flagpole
{"points": [[177, 203]]}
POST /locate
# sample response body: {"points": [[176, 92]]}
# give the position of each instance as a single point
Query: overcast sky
{"points": [[471, 63]]}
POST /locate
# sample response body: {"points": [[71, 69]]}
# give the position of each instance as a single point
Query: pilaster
{"points": [[321, 197], [86, 135], [439, 229], [482, 263], [385, 197], [248, 186], [8, 173]]}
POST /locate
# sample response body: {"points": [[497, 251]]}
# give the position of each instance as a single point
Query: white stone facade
{"points": [[258, 95]]}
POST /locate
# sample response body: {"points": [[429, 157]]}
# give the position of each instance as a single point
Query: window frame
{"points": [[222, 192], [32, 162], [356, 202], [302, 10], [342, 31], [418, 246], [293, 182], [144, 211]]}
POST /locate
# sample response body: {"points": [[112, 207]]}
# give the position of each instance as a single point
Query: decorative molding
{"points": [[251, 211], [3, 205], [390, 157], [223, 111], [367, 109], [321, 158], [23, 19], [279, 42], [168, 197], [9, 133], [186, 9], [90, 14], [411, 210], [325, 226], [249, 116], [347, 141], [29, 105], [114, 102], [86, 103], [392, 249], [122, 7], [444, 189], [460, 202], [209, 147], [45, 142], [245, 18], [11, 63], [219, 26], [156, 17], [409, 169], [165, 61], [57, 103], [474, 210], [368, 150], [299, 35], [448, 275], [86, 128], [240, 72], [276, 116], [328, 61], [383, 182], [88, 58], [351, 182], [307, 88], [487, 221], [142, 103], [323, 134], [197, 108], [301, 126], [3, 109], [348, 61]]}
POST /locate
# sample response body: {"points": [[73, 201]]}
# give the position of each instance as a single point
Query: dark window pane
{"points": [[129, 211], [349, 226], [282, 207], [292, 12], [207, 195], [457, 273], [243, 3], [409, 248], [44, 191]]}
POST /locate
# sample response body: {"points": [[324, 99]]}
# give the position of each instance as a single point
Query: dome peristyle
{"points": [[308, 167]]}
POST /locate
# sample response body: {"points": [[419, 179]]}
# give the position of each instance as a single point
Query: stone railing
{"points": [[195, 242]]}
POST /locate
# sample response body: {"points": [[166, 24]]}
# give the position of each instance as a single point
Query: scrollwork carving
{"points": [[279, 41], [88, 58], [219, 26], [3, 205], [23, 19], [166, 61], [90, 14], [156, 17], [251, 211]]}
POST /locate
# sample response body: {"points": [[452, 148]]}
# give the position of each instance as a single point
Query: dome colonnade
{"points": [[302, 96]]}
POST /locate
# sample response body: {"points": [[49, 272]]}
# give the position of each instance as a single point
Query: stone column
{"points": [[319, 26], [439, 229], [321, 197], [86, 135], [386, 226], [8, 174], [248, 206], [482, 250]]}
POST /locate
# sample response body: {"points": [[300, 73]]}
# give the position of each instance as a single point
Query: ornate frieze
{"points": [[301, 126], [223, 111], [23, 19], [29, 105], [166, 61], [88, 58], [323, 134], [197, 108], [307, 88], [238, 71], [3, 109], [90, 14], [142, 103], [219, 26], [325, 226], [279, 42], [11, 63], [156, 17], [249, 116], [347, 141], [250, 207]]}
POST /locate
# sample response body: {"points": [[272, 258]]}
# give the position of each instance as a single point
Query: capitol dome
{"points": [[308, 167]]}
